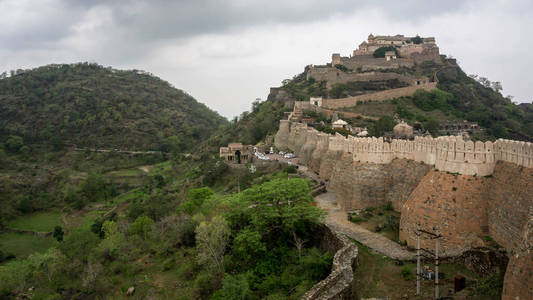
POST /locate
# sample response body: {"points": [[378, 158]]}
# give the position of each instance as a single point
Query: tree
{"points": [[58, 233], [417, 40], [142, 226], [384, 124], [212, 237], [380, 52], [337, 90], [13, 143], [281, 207]]}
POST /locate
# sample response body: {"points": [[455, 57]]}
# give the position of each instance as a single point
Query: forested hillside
{"points": [[91, 106]]}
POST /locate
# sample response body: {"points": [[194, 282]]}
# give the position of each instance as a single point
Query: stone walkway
{"points": [[338, 220]]}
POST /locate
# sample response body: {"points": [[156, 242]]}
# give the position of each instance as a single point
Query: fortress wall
{"points": [[319, 152], [369, 62], [281, 139], [334, 76], [509, 197], [309, 147], [453, 203], [446, 153], [378, 96], [518, 281]]}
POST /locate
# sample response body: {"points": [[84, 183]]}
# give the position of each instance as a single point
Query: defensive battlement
{"points": [[446, 153]]}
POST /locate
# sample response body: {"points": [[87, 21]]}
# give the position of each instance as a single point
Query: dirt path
{"points": [[338, 219]]}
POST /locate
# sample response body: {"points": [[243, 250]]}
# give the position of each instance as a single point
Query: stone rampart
{"points": [[339, 283], [334, 76], [377, 96], [446, 153]]}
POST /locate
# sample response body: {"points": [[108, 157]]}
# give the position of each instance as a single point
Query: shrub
{"points": [[342, 67], [417, 40], [290, 169], [406, 273], [380, 52], [13, 143], [58, 233]]}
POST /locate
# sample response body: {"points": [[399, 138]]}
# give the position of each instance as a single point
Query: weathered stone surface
{"points": [[518, 282], [339, 283], [509, 194], [452, 203]]}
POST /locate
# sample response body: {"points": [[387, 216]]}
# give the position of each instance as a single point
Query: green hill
{"points": [[91, 106]]}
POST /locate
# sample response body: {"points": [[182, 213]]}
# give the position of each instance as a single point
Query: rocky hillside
{"points": [[92, 106]]}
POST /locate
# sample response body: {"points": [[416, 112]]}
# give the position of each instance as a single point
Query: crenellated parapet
{"points": [[447, 153]]}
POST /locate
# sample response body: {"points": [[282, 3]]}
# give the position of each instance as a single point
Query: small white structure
{"points": [[390, 55], [317, 101], [363, 133], [339, 124]]}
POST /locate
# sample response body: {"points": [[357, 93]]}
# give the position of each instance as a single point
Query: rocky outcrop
{"points": [[339, 283]]}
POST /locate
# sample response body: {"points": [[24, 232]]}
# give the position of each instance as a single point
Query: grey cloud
{"points": [[150, 21]]}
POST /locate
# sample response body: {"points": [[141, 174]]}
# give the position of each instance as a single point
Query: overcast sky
{"points": [[227, 53]]}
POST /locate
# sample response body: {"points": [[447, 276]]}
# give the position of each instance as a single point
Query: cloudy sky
{"points": [[227, 53]]}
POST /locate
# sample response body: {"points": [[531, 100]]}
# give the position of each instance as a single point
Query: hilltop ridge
{"points": [[92, 106]]}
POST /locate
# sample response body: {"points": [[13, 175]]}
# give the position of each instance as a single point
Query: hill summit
{"points": [[89, 105]]}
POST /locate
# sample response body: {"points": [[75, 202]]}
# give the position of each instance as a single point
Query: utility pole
{"points": [[435, 236], [437, 263], [418, 259]]}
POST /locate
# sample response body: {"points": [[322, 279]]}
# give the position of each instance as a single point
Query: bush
{"points": [[406, 273], [380, 52], [342, 67], [290, 170], [13, 143]]}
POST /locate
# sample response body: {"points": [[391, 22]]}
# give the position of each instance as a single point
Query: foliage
{"points": [[58, 233], [212, 237], [436, 99], [342, 67], [417, 40], [380, 52], [142, 226], [13, 143], [89, 105], [337, 90], [406, 272], [382, 125]]}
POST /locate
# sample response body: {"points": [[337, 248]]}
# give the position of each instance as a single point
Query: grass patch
{"points": [[382, 219], [377, 276], [40, 221], [22, 245]]}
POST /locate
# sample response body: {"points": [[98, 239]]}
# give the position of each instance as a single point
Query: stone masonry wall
{"points": [[377, 96], [518, 281], [453, 203], [509, 197], [339, 283], [446, 153], [334, 76]]}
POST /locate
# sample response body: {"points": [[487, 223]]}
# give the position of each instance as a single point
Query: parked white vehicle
{"points": [[288, 155]]}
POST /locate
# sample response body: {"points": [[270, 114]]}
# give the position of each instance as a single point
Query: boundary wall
{"points": [[378, 96], [339, 283], [334, 75], [446, 153]]}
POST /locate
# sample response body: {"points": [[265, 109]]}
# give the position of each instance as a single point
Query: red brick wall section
{"points": [[454, 203]]}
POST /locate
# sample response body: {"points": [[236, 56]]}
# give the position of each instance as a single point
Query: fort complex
{"points": [[468, 189]]}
